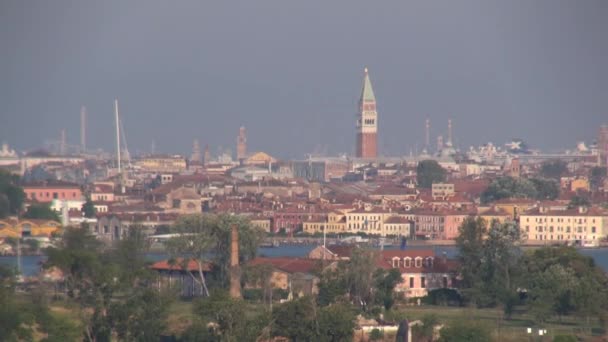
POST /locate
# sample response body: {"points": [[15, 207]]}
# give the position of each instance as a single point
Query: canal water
{"points": [[30, 265]]}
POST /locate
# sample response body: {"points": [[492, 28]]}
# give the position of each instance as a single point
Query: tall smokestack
{"points": [[427, 137], [62, 143], [83, 129], [235, 272], [449, 132], [241, 144]]}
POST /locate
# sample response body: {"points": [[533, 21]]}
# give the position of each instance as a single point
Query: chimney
{"points": [[235, 272]]}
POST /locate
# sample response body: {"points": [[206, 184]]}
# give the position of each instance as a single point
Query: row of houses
{"points": [[421, 271]]}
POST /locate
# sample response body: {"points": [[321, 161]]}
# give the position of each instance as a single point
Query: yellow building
{"points": [[28, 227], [580, 184], [334, 224], [584, 225], [162, 164], [259, 158], [8, 228], [260, 222], [493, 214]]}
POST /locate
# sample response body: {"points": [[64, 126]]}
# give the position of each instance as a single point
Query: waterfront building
{"points": [[582, 224]]}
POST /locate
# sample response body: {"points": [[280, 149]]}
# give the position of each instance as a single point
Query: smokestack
{"points": [[83, 129], [235, 272], [62, 143], [427, 137], [450, 131]]}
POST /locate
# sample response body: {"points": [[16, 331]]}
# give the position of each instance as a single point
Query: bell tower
{"points": [[367, 121]]}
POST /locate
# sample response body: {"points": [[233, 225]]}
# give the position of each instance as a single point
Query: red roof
{"points": [[176, 265]]}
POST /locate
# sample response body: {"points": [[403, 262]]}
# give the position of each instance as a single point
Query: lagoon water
{"points": [[30, 265]]}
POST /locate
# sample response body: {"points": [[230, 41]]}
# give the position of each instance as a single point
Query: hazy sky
{"points": [[291, 71]]}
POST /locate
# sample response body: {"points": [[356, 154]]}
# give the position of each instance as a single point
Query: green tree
{"points": [[359, 277], [596, 176], [41, 211], [429, 172], [553, 169], [376, 335], [5, 206], [261, 276], [336, 323], [470, 245], [88, 208], [206, 238], [579, 201], [384, 285], [332, 285], [509, 187], [296, 320], [11, 194], [490, 261], [561, 281], [110, 287], [15, 322], [425, 331], [546, 189]]}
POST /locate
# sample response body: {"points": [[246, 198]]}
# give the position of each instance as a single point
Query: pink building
{"points": [[421, 270], [48, 191]]}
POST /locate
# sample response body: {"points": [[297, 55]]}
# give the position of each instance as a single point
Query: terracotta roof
{"points": [[103, 188], [439, 265], [51, 184], [343, 251], [594, 211], [176, 265], [396, 219]]}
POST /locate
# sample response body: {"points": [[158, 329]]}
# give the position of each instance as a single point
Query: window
{"points": [[418, 262], [411, 282], [445, 281], [423, 282], [407, 262]]}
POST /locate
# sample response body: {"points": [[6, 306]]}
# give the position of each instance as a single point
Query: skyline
{"points": [[195, 71]]}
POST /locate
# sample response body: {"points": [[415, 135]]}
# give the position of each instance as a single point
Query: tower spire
{"points": [[367, 121]]}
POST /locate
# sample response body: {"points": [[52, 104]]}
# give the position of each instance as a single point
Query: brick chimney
{"points": [[235, 271]]}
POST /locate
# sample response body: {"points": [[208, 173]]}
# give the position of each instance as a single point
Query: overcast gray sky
{"points": [[291, 71]]}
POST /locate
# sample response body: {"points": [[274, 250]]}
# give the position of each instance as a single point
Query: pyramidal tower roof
{"points": [[367, 93]]}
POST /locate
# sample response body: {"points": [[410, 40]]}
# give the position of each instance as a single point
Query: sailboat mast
{"points": [[117, 136]]}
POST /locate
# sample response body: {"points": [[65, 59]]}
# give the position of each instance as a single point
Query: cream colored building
{"points": [[334, 224], [377, 221], [585, 225], [162, 164]]}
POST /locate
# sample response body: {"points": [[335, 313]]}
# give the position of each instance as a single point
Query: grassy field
{"points": [[514, 329]]}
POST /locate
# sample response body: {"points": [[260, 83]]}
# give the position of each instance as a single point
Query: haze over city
{"points": [[291, 72]]}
